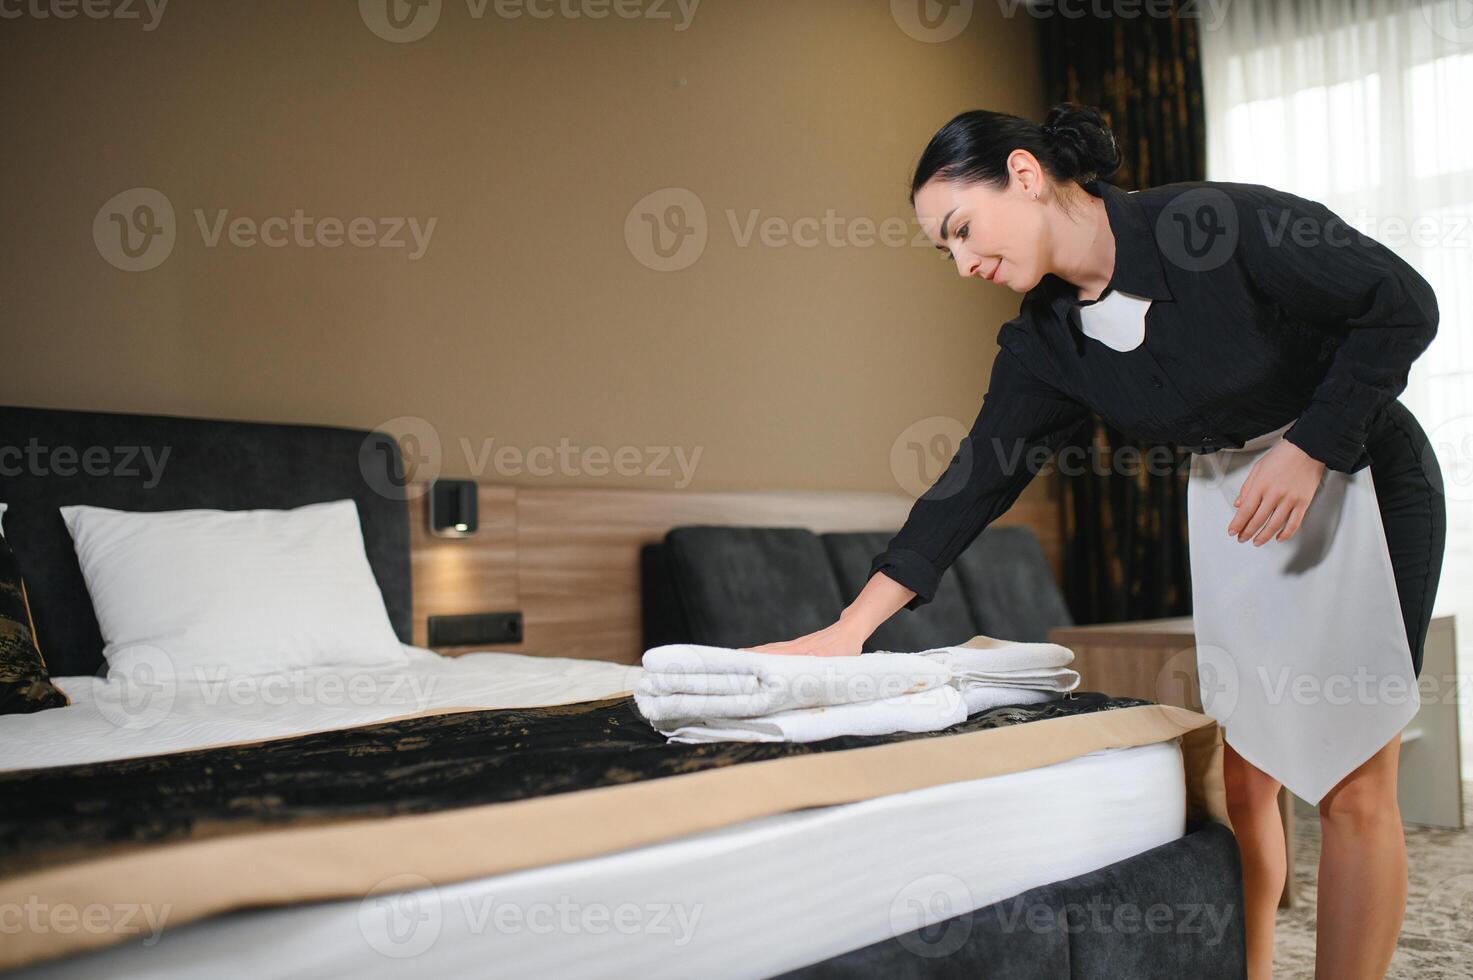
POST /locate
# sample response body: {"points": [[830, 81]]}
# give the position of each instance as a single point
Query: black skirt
{"points": [[1409, 493]]}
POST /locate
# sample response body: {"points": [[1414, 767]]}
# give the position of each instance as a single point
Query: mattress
{"points": [[752, 899]]}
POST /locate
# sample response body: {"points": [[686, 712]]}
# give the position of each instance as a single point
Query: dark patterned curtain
{"points": [[1125, 536]]}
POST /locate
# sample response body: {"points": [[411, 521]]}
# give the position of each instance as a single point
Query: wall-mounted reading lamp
{"points": [[453, 508]]}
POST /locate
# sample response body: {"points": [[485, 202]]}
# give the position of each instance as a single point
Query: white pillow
{"points": [[233, 592]]}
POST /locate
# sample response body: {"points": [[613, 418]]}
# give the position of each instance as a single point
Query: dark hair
{"points": [[1073, 143]]}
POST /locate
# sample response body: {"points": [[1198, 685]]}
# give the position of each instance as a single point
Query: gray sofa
{"points": [[741, 586]]}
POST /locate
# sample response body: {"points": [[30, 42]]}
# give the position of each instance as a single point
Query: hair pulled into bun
{"points": [[1084, 148]]}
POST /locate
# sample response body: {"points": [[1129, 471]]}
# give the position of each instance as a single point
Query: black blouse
{"points": [[1264, 308]]}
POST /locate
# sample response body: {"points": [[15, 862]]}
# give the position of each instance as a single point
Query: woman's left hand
{"points": [[1276, 494]]}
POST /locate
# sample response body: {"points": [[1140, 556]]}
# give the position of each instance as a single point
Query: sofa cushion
{"points": [[1010, 587], [943, 621], [661, 618], [745, 586]]}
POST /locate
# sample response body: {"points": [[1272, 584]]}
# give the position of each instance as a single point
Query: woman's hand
{"points": [[838, 640], [880, 599], [1276, 494]]}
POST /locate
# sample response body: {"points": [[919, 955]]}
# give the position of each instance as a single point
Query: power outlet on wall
{"points": [[475, 628]]}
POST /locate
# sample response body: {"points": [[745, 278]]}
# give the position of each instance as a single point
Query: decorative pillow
{"points": [[25, 686], [213, 592]]}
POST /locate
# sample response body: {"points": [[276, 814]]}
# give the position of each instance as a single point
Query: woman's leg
{"points": [[1253, 808], [1363, 871], [1363, 857]]}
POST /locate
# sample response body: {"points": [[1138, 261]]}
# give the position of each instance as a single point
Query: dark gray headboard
{"points": [[51, 458]]}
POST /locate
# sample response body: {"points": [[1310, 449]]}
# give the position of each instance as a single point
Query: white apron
{"points": [[1302, 654]]}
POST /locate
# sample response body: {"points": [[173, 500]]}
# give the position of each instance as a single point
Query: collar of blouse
{"points": [[1139, 265]]}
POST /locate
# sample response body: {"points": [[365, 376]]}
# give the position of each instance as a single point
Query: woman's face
{"points": [[995, 235]]}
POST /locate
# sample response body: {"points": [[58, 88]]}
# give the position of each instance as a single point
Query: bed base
{"points": [[1172, 911]]}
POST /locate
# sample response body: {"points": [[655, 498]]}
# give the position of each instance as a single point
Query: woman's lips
{"points": [[994, 270]]}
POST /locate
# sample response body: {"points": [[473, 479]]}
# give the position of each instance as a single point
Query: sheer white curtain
{"points": [[1363, 106]]}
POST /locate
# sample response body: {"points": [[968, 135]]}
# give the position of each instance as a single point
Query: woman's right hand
{"points": [[880, 599], [841, 639]]}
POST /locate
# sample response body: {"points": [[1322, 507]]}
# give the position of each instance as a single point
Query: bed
{"points": [[977, 851]]}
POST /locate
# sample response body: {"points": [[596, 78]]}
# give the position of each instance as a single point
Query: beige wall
{"points": [[528, 320]]}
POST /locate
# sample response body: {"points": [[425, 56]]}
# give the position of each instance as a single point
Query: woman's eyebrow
{"points": [[944, 233]]}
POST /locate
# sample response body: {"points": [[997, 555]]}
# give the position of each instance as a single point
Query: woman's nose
{"points": [[966, 267]]}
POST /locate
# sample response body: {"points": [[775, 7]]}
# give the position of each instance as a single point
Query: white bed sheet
{"points": [[749, 900], [109, 720]]}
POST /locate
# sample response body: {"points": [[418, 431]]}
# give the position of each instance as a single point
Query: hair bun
{"points": [[1083, 146]]}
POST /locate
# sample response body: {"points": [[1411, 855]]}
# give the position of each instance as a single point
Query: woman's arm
{"points": [[1021, 422], [1319, 269]]}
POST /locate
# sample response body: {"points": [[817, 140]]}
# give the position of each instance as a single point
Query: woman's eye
{"points": [[962, 232]]}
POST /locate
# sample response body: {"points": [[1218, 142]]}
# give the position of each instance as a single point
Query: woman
{"points": [[1256, 328]]}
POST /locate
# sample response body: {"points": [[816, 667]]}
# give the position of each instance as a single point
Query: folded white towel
{"points": [[921, 711], [692, 681], [696, 693], [981, 697], [983, 665], [1056, 679], [985, 654]]}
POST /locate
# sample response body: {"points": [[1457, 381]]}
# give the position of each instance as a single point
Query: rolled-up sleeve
{"points": [[1320, 270], [1021, 422]]}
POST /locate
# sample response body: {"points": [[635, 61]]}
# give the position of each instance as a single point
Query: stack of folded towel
{"points": [[695, 693], [990, 672]]}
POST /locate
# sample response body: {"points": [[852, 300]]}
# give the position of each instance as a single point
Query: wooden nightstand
{"points": [[1156, 659]]}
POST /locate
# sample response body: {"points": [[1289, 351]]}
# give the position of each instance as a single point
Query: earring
{"points": [[1035, 195]]}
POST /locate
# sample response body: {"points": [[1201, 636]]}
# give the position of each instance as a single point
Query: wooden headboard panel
{"points": [[568, 558]]}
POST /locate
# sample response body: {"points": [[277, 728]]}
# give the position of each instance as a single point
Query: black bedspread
{"points": [[415, 765]]}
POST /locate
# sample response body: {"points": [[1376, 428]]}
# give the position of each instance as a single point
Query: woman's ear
{"points": [[1026, 173]]}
